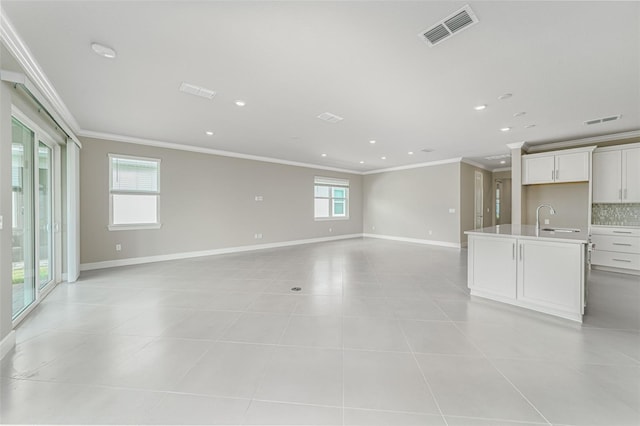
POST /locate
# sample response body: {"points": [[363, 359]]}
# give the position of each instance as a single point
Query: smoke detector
{"points": [[452, 24]]}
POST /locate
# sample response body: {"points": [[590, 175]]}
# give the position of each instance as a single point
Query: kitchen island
{"points": [[534, 269]]}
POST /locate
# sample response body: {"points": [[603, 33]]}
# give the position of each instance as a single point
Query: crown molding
{"points": [[14, 43], [414, 166], [201, 150], [584, 141], [518, 145], [474, 164]]}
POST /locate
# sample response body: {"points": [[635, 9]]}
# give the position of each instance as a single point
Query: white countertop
{"points": [[529, 232]]}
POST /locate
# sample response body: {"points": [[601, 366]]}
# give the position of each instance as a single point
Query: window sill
{"points": [[324, 219], [134, 227]]}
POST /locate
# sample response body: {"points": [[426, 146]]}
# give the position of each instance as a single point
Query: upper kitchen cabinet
{"points": [[616, 175], [571, 165]]}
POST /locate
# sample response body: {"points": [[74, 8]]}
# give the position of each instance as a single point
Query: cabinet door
{"points": [[492, 266], [550, 275], [572, 167], [631, 175], [538, 170], [607, 177]]}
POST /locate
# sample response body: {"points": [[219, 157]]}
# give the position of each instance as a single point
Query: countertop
{"points": [[529, 232]]}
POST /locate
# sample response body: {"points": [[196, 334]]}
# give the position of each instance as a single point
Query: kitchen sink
{"points": [[561, 229]]}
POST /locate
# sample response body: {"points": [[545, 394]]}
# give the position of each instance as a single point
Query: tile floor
{"points": [[380, 333]]}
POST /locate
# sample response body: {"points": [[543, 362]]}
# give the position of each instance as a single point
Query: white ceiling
{"points": [[564, 63]]}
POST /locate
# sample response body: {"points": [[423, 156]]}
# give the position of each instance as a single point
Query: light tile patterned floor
{"points": [[382, 333]]}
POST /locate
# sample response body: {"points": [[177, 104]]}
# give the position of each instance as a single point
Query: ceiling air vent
{"points": [[603, 120], [192, 89], [427, 150], [331, 118], [452, 24]]}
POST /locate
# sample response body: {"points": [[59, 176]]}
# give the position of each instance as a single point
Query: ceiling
{"points": [[563, 62]]}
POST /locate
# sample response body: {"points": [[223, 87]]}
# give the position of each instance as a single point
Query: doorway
{"points": [[478, 221], [502, 193]]}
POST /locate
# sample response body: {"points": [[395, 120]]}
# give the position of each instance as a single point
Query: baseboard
{"points": [[8, 343], [213, 252], [414, 240]]}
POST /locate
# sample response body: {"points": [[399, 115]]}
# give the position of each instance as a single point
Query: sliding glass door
{"points": [[32, 178]]}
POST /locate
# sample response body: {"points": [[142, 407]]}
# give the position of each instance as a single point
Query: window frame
{"points": [[338, 183], [112, 192]]}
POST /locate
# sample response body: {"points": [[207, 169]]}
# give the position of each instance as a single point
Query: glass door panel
{"points": [[45, 213], [23, 232]]}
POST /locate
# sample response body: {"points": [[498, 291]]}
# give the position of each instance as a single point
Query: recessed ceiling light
{"points": [[528, 126], [505, 129], [209, 133], [505, 96], [383, 158], [362, 162], [503, 162], [104, 51], [519, 114], [372, 142], [479, 107], [324, 155], [240, 103], [410, 153]]}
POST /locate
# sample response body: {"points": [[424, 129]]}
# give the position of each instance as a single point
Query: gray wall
{"points": [[570, 200], [467, 198], [410, 203], [206, 202]]}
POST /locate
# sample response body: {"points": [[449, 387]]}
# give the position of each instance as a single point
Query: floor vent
{"points": [[331, 118], [453, 24], [603, 120], [192, 89]]}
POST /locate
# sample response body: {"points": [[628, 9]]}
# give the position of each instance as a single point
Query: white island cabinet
{"points": [[543, 271]]}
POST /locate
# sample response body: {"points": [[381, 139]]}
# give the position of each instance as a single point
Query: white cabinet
{"points": [[549, 274], [545, 276], [616, 175], [556, 167], [615, 247], [492, 265]]}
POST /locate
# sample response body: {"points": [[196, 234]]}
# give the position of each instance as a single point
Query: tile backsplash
{"points": [[616, 214]]}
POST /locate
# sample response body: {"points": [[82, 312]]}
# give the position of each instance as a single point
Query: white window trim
{"points": [[133, 226], [332, 183]]}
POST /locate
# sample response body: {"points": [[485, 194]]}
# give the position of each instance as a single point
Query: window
{"points": [[134, 192], [331, 198]]}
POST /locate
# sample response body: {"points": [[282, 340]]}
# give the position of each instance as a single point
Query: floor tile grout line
{"points": [[424, 378], [503, 376]]}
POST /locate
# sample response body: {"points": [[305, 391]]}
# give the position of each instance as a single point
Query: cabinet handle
{"points": [[620, 193], [622, 260], [513, 251], [520, 251], [625, 193], [557, 174], [622, 232], [621, 244], [553, 175]]}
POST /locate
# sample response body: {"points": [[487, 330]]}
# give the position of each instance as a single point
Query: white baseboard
{"points": [[213, 252], [414, 240], [8, 343]]}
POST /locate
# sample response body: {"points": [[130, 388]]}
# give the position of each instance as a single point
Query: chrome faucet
{"points": [[551, 210]]}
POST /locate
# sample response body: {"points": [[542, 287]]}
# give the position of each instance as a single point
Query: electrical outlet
{"points": [[118, 247], [546, 221], [452, 210], [257, 236], [373, 228], [259, 198], [430, 232], [1, 221], [330, 230]]}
